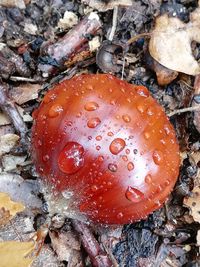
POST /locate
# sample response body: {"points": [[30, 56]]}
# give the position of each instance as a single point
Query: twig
{"points": [[183, 110], [9, 108], [22, 79], [97, 255], [136, 37], [66, 47], [114, 24]]}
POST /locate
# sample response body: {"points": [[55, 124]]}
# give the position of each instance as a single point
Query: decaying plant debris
{"points": [[33, 57]]}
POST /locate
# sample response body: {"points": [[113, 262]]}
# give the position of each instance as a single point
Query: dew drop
{"points": [[100, 158], [98, 138], [91, 106], [71, 158], [140, 108], [69, 123], [157, 157], [113, 102], [94, 188], [133, 194], [112, 167], [98, 148], [150, 111], [126, 118], [142, 91], [124, 157], [146, 135], [117, 146], [110, 134], [120, 215], [39, 142], [45, 157], [167, 129], [130, 166], [127, 151], [148, 179], [93, 123], [55, 110], [49, 97]]}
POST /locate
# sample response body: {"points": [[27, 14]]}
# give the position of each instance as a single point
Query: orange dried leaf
{"points": [[8, 205], [16, 254]]}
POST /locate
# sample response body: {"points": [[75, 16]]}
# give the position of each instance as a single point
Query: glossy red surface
{"points": [[110, 143]]}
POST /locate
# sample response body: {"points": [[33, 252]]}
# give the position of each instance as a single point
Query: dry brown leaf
{"points": [[24, 92], [68, 21], [64, 244], [8, 204], [5, 216], [20, 190], [16, 254], [103, 6], [193, 202], [13, 3], [8, 208], [7, 142], [170, 43]]}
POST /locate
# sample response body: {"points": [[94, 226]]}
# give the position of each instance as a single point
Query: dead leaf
{"points": [[5, 216], [20, 190], [13, 3], [16, 254], [193, 202], [8, 208], [24, 93], [170, 43], [64, 244], [10, 162], [46, 256], [7, 142], [103, 6], [68, 21]]}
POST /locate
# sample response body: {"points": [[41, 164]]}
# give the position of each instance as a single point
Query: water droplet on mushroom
{"points": [[98, 148], [130, 166], [112, 167], [55, 110], [93, 123], [94, 188], [150, 111], [113, 102], [117, 146], [140, 108], [98, 138], [127, 151], [45, 157], [124, 157], [120, 215], [157, 157], [148, 179], [100, 158], [71, 158], [146, 135], [133, 194], [39, 142], [69, 123], [126, 118], [110, 134], [167, 129], [91, 106], [142, 91]]}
